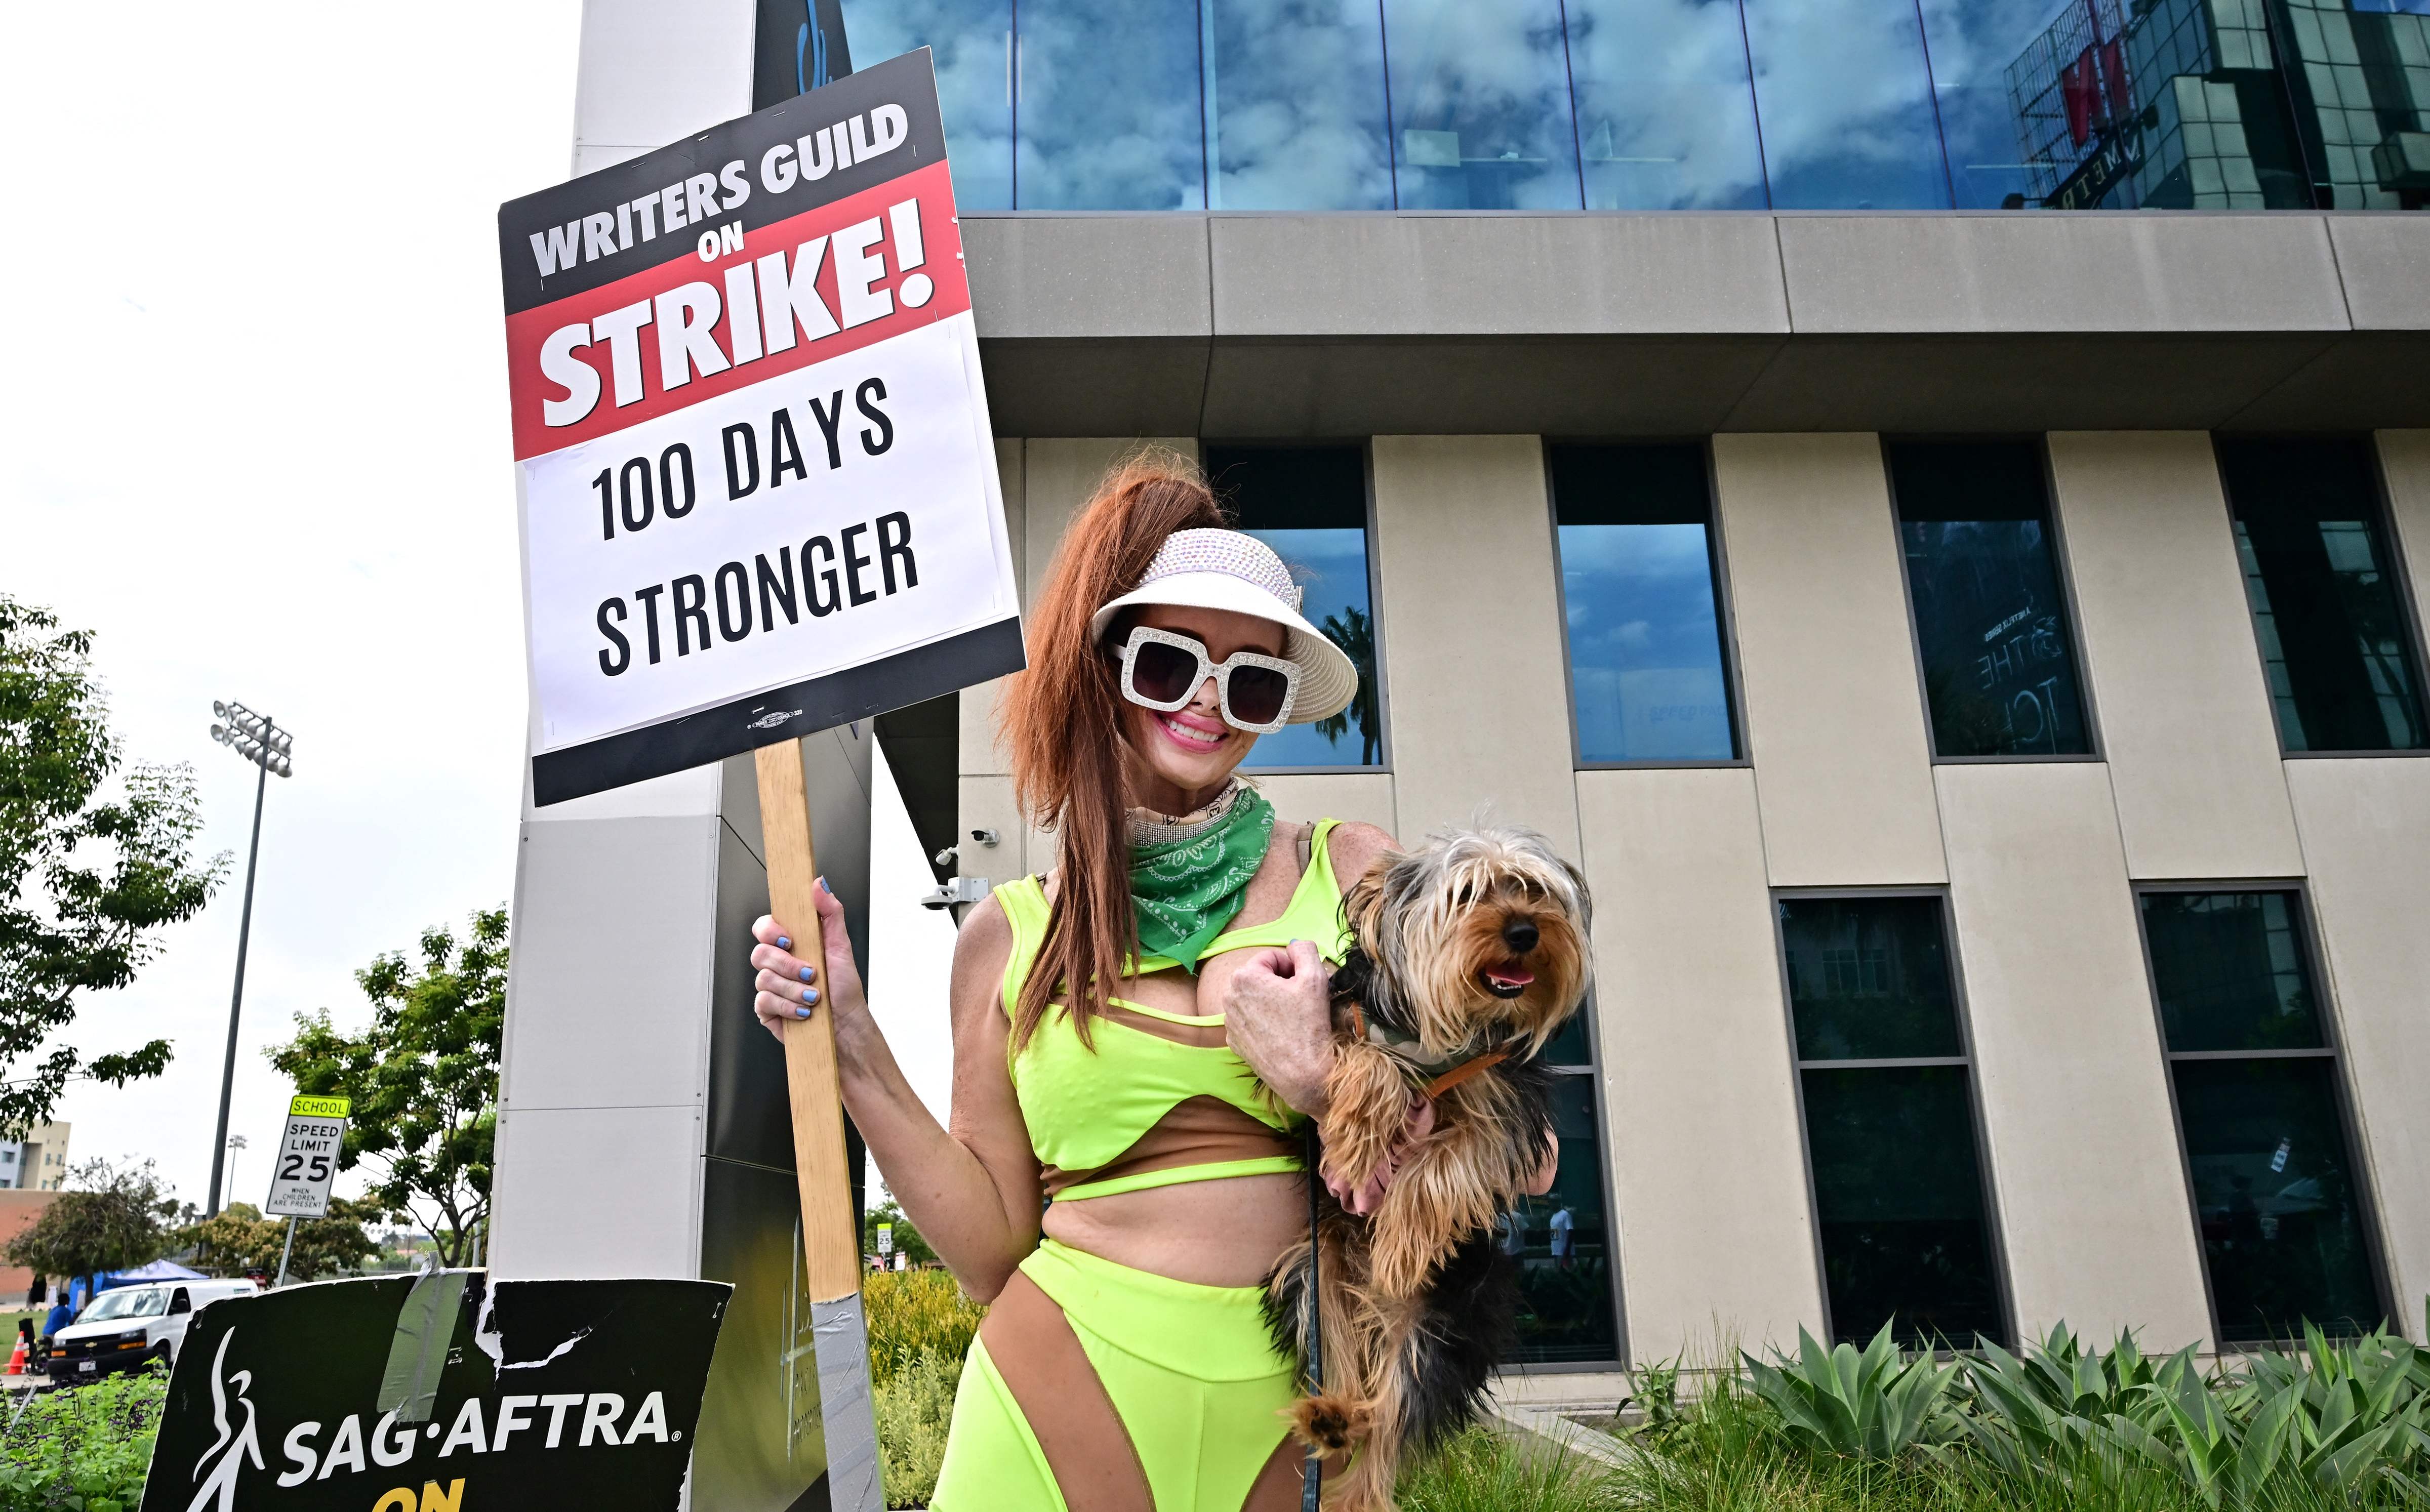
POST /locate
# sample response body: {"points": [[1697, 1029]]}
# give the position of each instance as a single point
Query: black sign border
{"points": [[906, 81], [858, 692]]}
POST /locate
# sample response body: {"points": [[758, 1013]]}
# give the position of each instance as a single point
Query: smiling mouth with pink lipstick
{"points": [[1192, 732]]}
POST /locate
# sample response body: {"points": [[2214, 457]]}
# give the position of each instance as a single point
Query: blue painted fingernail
{"points": [[823, 887], [784, 943], [807, 974], [809, 995], [801, 1013]]}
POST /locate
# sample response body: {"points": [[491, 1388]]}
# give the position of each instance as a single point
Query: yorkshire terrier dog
{"points": [[1472, 952]]}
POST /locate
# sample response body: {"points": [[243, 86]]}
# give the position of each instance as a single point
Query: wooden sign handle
{"points": [[830, 1238]]}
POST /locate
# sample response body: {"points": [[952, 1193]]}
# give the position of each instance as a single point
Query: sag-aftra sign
{"points": [[439, 1393]]}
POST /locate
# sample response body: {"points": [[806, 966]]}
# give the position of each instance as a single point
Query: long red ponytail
{"points": [[1062, 730]]}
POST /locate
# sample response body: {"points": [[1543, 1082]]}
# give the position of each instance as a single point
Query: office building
{"points": [[37, 1162], [1928, 505]]}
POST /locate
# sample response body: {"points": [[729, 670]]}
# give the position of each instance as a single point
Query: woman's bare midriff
{"points": [[1222, 1233]]}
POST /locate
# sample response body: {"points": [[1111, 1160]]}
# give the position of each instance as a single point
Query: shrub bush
{"points": [[914, 1314], [84, 1450], [2058, 1425], [920, 1328], [915, 1407]]}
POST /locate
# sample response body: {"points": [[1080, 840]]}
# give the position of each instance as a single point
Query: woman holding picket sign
{"points": [[1125, 1362]]}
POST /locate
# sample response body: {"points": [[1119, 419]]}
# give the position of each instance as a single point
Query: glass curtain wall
{"points": [[1887, 1087], [1640, 591], [2328, 608], [1309, 503], [1563, 1241], [1982, 579], [1295, 107], [1339, 105], [2276, 1199]]}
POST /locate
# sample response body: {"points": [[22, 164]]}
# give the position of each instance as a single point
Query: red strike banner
{"points": [[816, 285]]}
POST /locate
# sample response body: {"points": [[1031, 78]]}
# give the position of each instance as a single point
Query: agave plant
{"points": [[1877, 1404], [2064, 1409], [2343, 1414]]}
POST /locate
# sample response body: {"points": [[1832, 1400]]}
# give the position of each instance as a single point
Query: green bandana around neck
{"points": [[1183, 892]]}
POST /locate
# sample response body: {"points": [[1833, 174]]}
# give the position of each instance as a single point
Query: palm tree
{"points": [[1355, 633]]}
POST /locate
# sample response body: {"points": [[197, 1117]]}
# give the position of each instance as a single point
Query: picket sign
{"points": [[760, 500], [830, 1238]]}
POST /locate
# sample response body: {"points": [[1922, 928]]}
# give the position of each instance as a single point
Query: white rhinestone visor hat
{"points": [[1229, 569]]}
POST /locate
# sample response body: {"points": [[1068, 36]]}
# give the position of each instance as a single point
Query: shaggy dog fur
{"points": [[1472, 946]]}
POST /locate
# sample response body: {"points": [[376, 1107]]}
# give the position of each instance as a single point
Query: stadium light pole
{"points": [[256, 738]]}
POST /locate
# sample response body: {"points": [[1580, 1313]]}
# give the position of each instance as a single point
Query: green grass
{"points": [[1485, 1472]]}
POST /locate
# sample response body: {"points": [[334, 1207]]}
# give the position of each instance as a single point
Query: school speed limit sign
{"points": [[307, 1157]]}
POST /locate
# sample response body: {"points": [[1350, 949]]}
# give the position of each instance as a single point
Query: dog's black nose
{"points": [[1519, 934]]}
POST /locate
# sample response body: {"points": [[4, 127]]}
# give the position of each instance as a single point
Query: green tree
{"points": [[424, 1079], [241, 1240], [111, 1218], [86, 884], [1355, 633]]}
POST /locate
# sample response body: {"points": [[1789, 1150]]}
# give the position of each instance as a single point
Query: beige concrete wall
{"points": [[1709, 1200], [2167, 642], [979, 750], [2074, 1088], [1707, 1163], [1360, 797], [1476, 683], [1834, 711], [2366, 828], [2405, 461]]}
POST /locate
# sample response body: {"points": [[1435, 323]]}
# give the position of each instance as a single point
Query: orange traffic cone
{"points": [[17, 1359]]}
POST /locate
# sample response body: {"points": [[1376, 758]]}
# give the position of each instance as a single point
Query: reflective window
{"points": [[2232, 972], [1309, 503], [1846, 106], [1899, 1200], [1869, 977], [1562, 1242], [1982, 576], [1639, 592], [1105, 107], [1481, 106], [973, 62], [1666, 115], [1317, 104], [2284, 1231], [2327, 607], [1976, 46], [1295, 116]]}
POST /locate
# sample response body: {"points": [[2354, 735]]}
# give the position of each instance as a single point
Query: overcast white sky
{"points": [[253, 434]]}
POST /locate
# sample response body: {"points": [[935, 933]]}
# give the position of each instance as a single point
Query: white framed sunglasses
{"points": [[1163, 671]]}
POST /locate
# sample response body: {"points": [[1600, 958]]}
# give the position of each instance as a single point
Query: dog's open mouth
{"points": [[1507, 981]]}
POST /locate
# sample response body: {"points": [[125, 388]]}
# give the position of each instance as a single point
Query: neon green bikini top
{"points": [[1161, 1098]]}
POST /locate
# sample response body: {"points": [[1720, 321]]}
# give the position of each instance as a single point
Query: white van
{"points": [[132, 1326]]}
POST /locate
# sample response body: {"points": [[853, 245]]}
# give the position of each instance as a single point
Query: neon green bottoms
{"points": [[1189, 1371]]}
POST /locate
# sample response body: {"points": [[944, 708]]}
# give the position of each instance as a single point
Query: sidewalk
{"points": [[1551, 1405]]}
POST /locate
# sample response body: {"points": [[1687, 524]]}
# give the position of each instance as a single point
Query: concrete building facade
{"points": [[39, 1161], [2000, 919]]}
